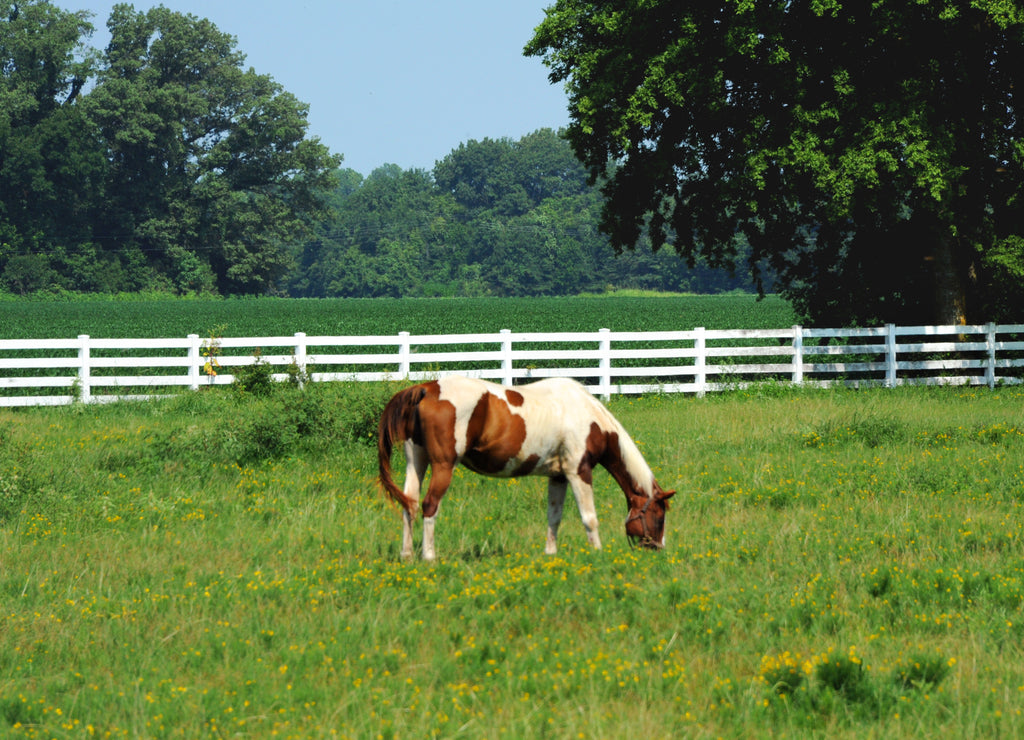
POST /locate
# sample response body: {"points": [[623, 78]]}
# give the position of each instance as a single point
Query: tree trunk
{"points": [[950, 300]]}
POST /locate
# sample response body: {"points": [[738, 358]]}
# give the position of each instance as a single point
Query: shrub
{"points": [[256, 379]]}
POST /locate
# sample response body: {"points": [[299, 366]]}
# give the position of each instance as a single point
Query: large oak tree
{"points": [[161, 161], [871, 152]]}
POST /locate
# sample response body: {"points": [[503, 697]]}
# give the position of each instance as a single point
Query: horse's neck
{"points": [[629, 468]]}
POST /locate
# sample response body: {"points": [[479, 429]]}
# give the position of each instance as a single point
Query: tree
{"points": [[386, 238], [871, 153], [507, 178], [50, 160], [498, 217], [211, 174], [159, 163]]}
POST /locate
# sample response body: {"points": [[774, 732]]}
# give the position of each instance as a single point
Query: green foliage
{"points": [[12, 494], [879, 174], [922, 671], [223, 427], [256, 379], [49, 162], [243, 176], [160, 162], [842, 673], [871, 431], [499, 217]]}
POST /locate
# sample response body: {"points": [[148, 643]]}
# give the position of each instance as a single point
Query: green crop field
{"points": [[329, 317], [838, 564]]}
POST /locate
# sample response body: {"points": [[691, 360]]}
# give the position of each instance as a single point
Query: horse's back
{"points": [[521, 430], [553, 394], [557, 385]]}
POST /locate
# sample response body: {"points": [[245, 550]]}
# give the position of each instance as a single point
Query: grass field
{"points": [[838, 564]]}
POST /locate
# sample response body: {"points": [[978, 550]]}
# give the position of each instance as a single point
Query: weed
{"points": [[784, 673], [842, 673], [11, 493], [870, 431], [211, 350], [923, 671]]}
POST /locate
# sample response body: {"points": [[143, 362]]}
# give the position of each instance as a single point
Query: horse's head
{"points": [[645, 524]]}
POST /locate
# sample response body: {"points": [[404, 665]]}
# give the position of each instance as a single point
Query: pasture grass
{"points": [[845, 564]]}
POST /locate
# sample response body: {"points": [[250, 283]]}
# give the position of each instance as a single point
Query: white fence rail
{"points": [[89, 369]]}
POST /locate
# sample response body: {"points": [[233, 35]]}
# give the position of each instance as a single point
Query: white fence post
{"points": [[84, 372], [300, 356], [990, 349], [605, 364], [506, 357], [193, 361], [404, 352], [890, 355], [798, 354], [700, 376]]}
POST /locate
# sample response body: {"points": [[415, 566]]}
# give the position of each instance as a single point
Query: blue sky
{"points": [[390, 81]]}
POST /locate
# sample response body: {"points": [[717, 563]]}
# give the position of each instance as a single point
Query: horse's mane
{"points": [[636, 466]]}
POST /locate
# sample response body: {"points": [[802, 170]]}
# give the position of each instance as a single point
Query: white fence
{"points": [[88, 369]]}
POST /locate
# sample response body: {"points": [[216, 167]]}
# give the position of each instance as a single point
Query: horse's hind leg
{"points": [[440, 479], [556, 500], [415, 469]]}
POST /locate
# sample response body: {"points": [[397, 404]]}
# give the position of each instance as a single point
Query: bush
{"points": [[361, 405], [256, 379], [270, 420]]}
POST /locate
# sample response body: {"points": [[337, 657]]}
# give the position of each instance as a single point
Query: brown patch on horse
{"points": [[493, 436], [597, 444], [603, 449], [429, 390], [435, 428], [514, 398]]}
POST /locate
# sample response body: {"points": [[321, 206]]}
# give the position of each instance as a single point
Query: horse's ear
{"points": [[665, 495]]}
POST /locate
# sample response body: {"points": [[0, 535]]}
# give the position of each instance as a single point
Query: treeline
{"points": [[157, 163], [494, 217], [162, 164]]}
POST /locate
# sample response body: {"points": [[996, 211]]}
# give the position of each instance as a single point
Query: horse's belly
{"points": [[513, 467]]}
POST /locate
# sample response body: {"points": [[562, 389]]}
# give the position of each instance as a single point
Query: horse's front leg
{"points": [[415, 469], [557, 486], [583, 490]]}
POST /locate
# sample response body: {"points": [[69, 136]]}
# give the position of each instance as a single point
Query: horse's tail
{"points": [[397, 422]]}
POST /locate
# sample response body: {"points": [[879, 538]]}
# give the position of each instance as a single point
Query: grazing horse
{"points": [[554, 428]]}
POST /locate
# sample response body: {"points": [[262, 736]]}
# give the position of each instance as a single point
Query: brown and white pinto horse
{"points": [[554, 428]]}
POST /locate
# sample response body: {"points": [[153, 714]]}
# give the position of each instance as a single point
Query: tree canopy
{"points": [[494, 217], [159, 162], [871, 153], [162, 163]]}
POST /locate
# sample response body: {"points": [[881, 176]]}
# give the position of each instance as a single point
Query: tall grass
{"points": [[842, 563]]}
